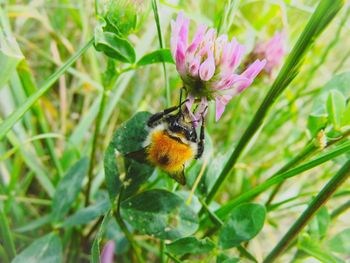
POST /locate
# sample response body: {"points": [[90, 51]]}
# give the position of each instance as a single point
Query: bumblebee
{"points": [[172, 141]]}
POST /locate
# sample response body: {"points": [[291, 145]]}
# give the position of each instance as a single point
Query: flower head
{"points": [[208, 65], [272, 50]]}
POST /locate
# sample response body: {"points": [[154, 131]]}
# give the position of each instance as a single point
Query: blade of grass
{"points": [[8, 123], [308, 150], [10, 53], [7, 154], [341, 209], [320, 200], [33, 162], [226, 20], [173, 258], [30, 88], [342, 62], [96, 136], [84, 77], [339, 150], [160, 38], [6, 236], [322, 16], [3, 255], [95, 249]]}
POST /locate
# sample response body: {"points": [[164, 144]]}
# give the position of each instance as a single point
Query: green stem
{"points": [[245, 253], [160, 38], [323, 196], [96, 3], [94, 145], [175, 259], [342, 62], [126, 231], [226, 20], [214, 218], [324, 13], [3, 255], [305, 153], [341, 209], [10, 121], [6, 236], [110, 78], [162, 251]]}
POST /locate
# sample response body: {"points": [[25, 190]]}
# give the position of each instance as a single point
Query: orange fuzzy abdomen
{"points": [[167, 153]]}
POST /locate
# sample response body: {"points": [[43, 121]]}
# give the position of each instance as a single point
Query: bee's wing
{"points": [[179, 177], [140, 155]]}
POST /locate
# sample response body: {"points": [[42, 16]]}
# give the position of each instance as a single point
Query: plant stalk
{"points": [[94, 146], [305, 153], [341, 209], [125, 230], [161, 44]]}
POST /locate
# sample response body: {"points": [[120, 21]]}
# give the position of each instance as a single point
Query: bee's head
{"points": [[180, 126]]}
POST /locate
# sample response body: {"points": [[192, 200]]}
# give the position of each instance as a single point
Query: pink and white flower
{"points": [[272, 50], [208, 65]]}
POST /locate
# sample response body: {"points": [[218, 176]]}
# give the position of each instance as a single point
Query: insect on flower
{"points": [[207, 66], [172, 141]]}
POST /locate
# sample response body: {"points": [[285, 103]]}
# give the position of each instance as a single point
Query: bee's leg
{"points": [[159, 115], [201, 142]]}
